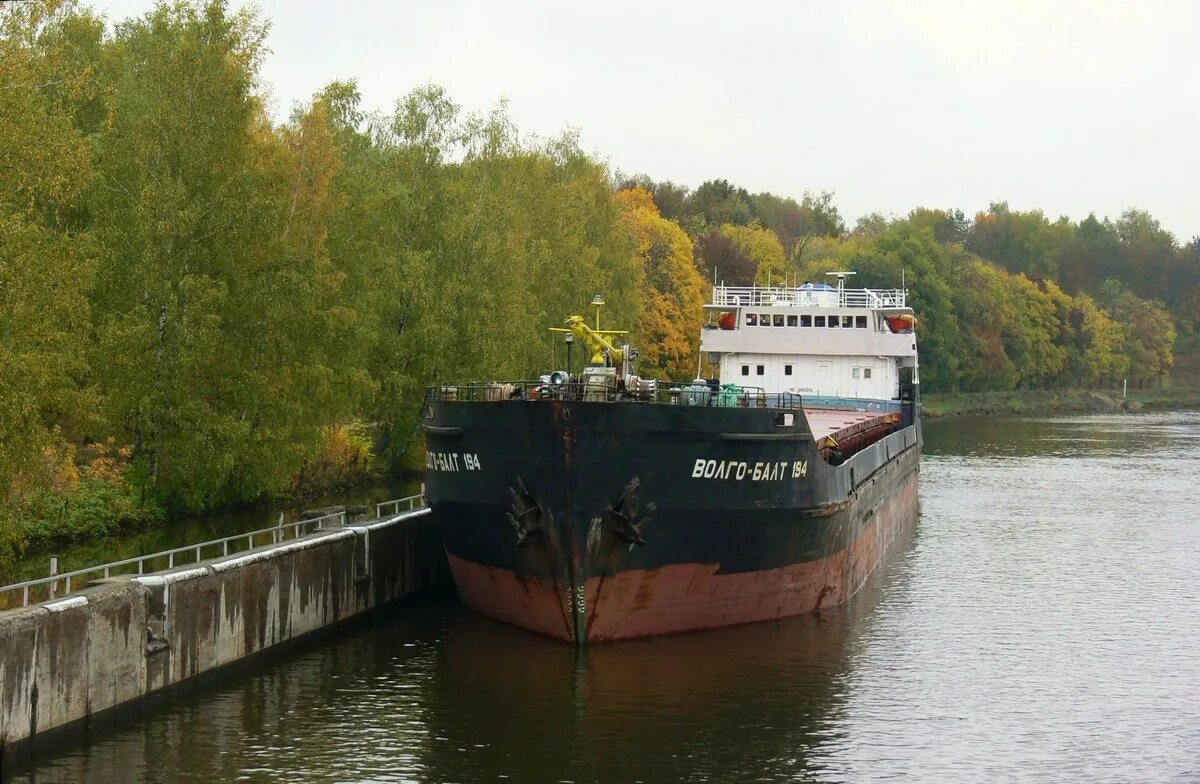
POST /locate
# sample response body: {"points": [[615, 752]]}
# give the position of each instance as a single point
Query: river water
{"points": [[1042, 624]]}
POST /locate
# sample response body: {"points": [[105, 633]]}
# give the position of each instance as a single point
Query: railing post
{"points": [[53, 571], [25, 596]]}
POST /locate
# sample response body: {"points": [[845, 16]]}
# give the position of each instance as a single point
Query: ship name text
{"points": [[452, 461], [768, 471]]}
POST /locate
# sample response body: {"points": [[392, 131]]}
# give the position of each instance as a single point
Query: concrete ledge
{"points": [[65, 663]]}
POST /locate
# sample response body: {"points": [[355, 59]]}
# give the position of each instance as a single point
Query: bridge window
{"points": [[860, 322], [764, 319], [853, 372], [848, 322], [833, 321], [806, 321], [745, 370], [760, 370], [751, 320], [820, 322], [787, 370], [791, 321], [778, 320], [866, 372]]}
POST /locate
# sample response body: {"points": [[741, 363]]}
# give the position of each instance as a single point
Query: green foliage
{"points": [[234, 297], [763, 249], [345, 458], [77, 502], [44, 274]]}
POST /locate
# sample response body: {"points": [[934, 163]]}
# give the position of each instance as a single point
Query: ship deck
{"points": [[840, 423]]}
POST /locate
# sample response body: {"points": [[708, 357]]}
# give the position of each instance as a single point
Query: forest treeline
{"points": [[203, 307], [1007, 299]]}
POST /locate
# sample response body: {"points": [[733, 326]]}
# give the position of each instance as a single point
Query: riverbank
{"points": [[1060, 401], [184, 529]]}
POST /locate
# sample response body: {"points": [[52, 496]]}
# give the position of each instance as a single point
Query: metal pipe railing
{"points": [[410, 502], [278, 534], [691, 393], [759, 296]]}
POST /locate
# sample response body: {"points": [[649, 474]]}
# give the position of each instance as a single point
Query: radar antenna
{"points": [[841, 283]]}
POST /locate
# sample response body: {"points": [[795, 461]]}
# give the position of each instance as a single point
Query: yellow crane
{"points": [[596, 339]]}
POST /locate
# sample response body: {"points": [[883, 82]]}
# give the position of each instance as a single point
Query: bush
{"points": [[84, 499]]}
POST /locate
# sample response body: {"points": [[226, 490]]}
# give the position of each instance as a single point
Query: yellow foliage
{"points": [[762, 246], [673, 289]]}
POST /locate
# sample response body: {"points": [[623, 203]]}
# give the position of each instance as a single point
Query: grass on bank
{"points": [[1060, 401]]}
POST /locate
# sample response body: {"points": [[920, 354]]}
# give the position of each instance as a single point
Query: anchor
{"points": [[526, 515], [625, 519]]}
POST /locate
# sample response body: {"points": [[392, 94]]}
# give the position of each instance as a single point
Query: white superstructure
{"points": [[815, 339]]}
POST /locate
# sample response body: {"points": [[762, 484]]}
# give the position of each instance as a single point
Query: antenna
{"points": [[841, 280]]}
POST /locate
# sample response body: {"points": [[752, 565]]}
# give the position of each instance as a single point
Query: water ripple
{"points": [[1042, 625]]}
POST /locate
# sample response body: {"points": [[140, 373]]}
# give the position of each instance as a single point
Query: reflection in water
{"points": [[1043, 625], [726, 705]]}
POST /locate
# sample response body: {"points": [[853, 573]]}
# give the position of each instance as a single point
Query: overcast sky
{"points": [[1064, 106]]}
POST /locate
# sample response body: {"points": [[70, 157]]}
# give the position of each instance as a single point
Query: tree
{"points": [[44, 275], [761, 246], [1019, 241], [716, 203], [672, 289], [798, 224], [948, 226], [220, 323], [1148, 329], [872, 224], [719, 259]]}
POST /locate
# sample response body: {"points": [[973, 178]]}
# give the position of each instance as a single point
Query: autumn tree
{"points": [[797, 224], [671, 285], [44, 274], [719, 259], [1149, 331], [763, 249]]}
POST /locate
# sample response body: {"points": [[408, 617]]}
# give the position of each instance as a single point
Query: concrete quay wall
{"points": [[68, 663]]}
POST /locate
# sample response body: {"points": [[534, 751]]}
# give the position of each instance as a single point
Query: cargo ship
{"points": [[601, 505]]}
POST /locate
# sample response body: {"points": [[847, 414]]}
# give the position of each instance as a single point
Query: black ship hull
{"points": [[593, 521]]}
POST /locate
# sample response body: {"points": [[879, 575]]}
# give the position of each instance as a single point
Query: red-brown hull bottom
{"points": [[690, 596]]}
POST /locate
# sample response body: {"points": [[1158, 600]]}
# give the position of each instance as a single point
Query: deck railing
{"points": [[681, 393], [46, 588], [759, 296]]}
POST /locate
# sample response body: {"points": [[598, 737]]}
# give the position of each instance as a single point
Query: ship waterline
{"points": [[686, 597]]}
